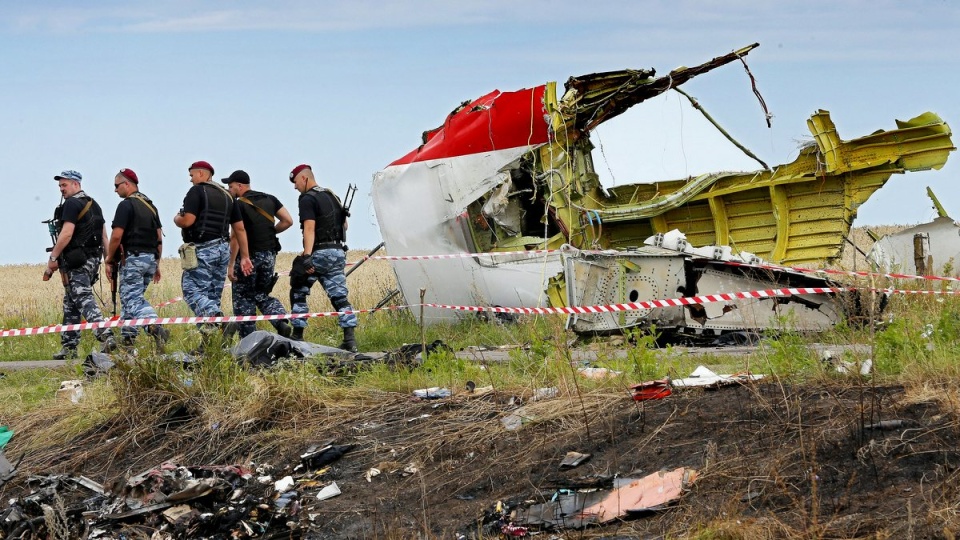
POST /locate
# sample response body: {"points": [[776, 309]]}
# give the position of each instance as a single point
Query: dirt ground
{"points": [[774, 461]]}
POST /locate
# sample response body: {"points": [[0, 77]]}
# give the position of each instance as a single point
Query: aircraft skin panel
{"points": [[420, 207], [936, 243], [492, 122]]}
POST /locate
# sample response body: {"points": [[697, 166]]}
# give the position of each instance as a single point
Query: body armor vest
{"points": [[329, 223], [140, 235], [214, 221]]}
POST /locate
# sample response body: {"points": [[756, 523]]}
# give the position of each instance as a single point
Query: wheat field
{"points": [[29, 301]]}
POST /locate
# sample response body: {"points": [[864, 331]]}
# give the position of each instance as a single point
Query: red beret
{"points": [[129, 175], [202, 165], [297, 170]]}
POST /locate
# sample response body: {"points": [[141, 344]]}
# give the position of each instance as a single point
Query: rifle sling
{"points": [[262, 212]]}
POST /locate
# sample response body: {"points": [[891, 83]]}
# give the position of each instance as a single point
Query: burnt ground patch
{"points": [[830, 460]]}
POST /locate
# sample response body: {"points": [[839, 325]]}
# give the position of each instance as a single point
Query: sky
{"points": [[349, 86]]}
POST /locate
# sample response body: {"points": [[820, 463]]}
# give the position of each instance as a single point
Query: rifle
{"points": [[348, 198], [112, 271], [347, 203]]}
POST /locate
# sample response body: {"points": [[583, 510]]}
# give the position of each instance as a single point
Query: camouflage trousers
{"points": [[252, 292], [78, 301], [135, 274], [203, 286], [328, 265]]}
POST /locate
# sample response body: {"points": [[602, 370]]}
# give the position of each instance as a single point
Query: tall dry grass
{"points": [[29, 301]]}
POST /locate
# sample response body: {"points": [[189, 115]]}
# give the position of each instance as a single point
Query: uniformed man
{"points": [[135, 247], [324, 222], [206, 221], [80, 238], [263, 218]]}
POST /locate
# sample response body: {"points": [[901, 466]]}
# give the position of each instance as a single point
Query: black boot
{"points": [[349, 339], [160, 334], [297, 334], [285, 330], [65, 352]]}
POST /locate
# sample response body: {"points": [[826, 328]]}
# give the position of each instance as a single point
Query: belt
{"points": [[137, 253], [209, 242], [328, 245]]}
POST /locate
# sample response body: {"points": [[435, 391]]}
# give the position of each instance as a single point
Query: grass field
{"points": [[913, 348]]}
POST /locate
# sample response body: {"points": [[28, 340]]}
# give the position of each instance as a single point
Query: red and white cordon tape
{"points": [[843, 272], [116, 323], [672, 302], [650, 304]]}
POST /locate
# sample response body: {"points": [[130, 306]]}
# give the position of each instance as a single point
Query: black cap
{"points": [[240, 177]]}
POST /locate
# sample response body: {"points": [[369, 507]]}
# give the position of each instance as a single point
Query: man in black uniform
{"points": [[324, 222], [206, 219], [263, 218], [136, 245], [76, 254]]}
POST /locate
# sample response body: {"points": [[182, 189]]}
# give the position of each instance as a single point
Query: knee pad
{"points": [[340, 303]]}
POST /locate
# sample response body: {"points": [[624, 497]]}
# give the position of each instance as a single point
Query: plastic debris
{"points": [[434, 392], [648, 390], [329, 491], [71, 391], [545, 393], [706, 378], [573, 459], [284, 484]]}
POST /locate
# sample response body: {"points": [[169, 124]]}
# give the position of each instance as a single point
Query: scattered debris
{"points": [[167, 501], [545, 393], [318, 457], [71, 391], [888, 425], [573, 459], [516, 419], [328, 492], [598, 372], [847, 367], [657, 389], [580, 509], [705, 378], [434, 392]]}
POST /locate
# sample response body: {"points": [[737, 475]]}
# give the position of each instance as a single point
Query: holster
{"points": [[298, 271], [73, 258], [270, 284]]}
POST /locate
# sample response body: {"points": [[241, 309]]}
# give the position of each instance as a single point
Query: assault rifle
{"points": [[52, 229], [347, 203], [112, 272]]}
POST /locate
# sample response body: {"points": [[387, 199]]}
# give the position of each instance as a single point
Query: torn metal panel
{"points": [[512, 172], [928, 248], [704, 377], [654, 273], [576, 510]]}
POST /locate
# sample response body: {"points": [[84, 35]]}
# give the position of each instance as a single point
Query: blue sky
{"points": [[349, 86]]}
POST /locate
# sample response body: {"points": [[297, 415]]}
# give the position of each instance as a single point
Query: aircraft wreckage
{"points": [[506, 195]]}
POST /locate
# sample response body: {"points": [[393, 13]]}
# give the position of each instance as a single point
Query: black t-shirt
{"points": [[72, 208], [261, 232]]}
